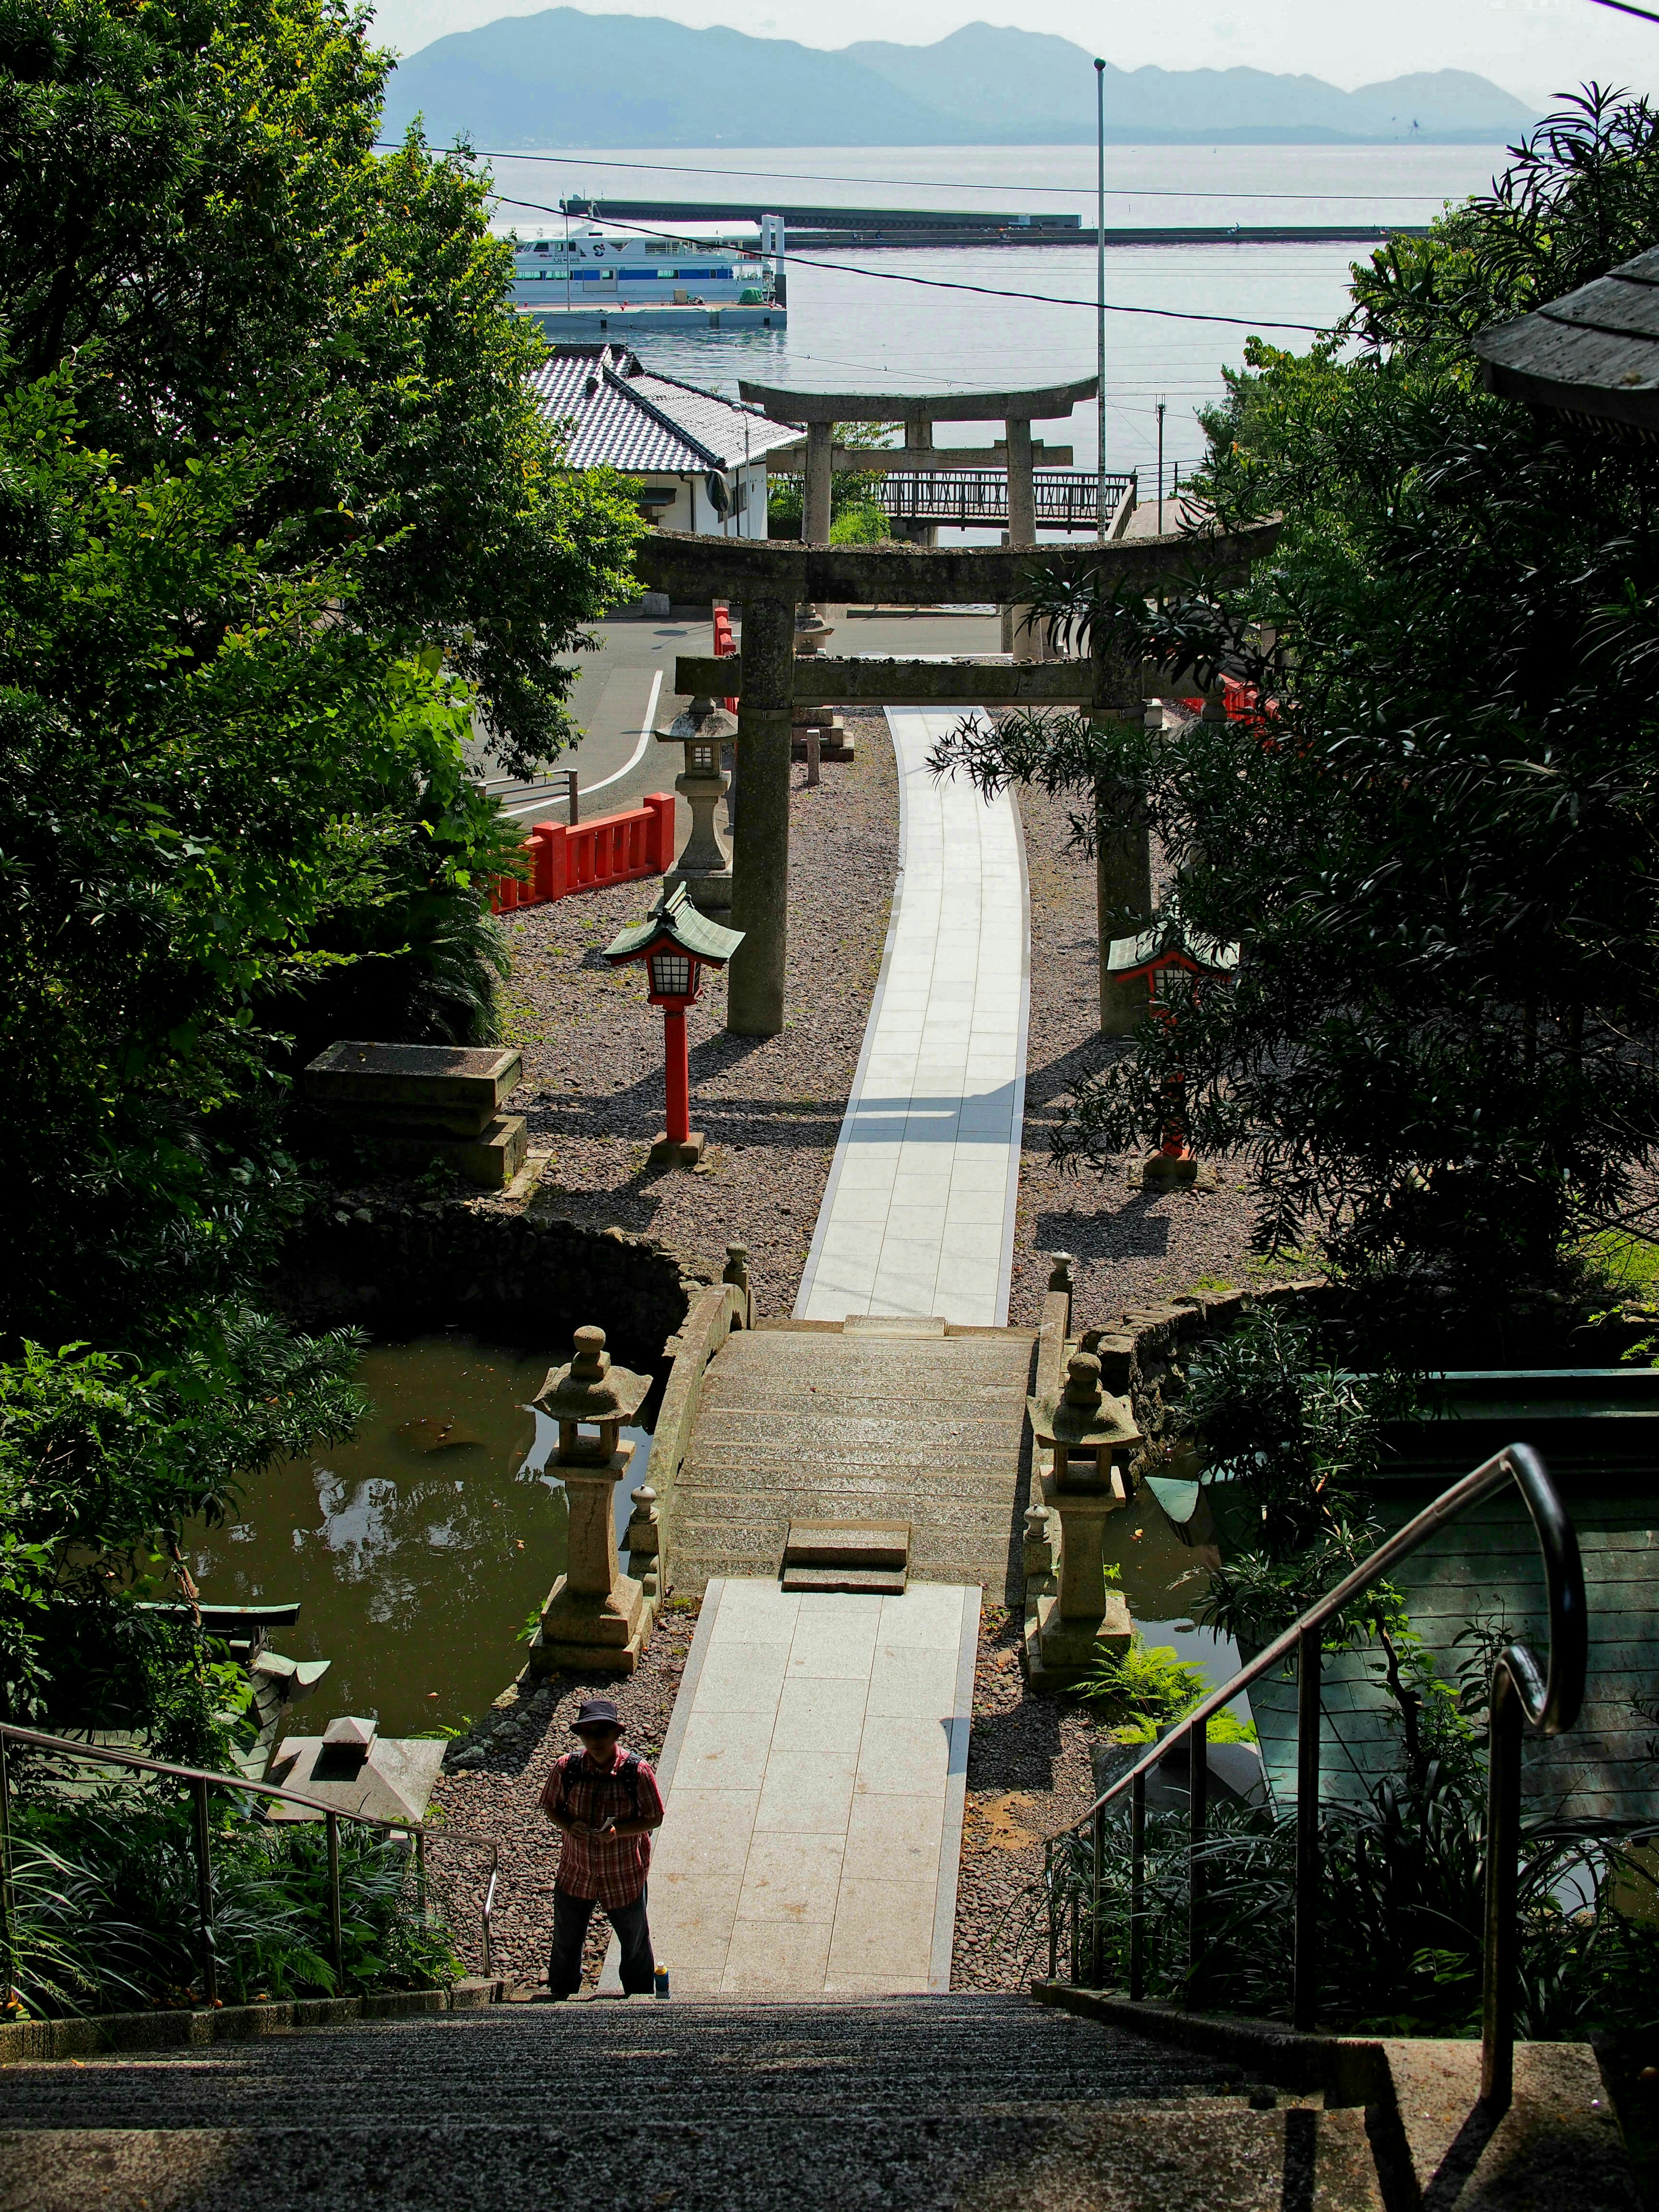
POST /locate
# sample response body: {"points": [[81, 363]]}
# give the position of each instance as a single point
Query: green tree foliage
{"points": [[279, 523], [1435, 840], [856, 517]]}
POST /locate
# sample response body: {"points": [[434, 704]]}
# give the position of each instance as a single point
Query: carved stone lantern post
{"points": [[595, 1615], [705, 865], [1089, 1436], [817, 730]]}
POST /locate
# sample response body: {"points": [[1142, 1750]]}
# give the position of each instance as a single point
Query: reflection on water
{"points": [[418, 1549], [1162, 1579]]}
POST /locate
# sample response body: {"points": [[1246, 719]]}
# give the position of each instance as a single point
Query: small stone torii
{"points": [[769, 579]]}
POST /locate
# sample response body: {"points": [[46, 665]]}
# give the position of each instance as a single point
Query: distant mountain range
{"points": [[564, 78]]}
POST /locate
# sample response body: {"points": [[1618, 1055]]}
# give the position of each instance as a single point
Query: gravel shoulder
{"points": [[771, 1107], [1131, 1247], [487, 1810]]}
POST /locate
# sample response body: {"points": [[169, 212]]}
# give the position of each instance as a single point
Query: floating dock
{"points": [[620, 322]]}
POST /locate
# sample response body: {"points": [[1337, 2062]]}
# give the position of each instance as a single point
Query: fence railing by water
{"points": [[1067, 499], [200, 1781], [1544, 1700]]}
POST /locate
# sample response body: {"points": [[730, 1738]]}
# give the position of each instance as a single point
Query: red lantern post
{"points": [[1146, 958], [676, 944]]}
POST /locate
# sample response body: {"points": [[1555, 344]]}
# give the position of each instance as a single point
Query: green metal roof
{"points": [[1166, 936], [676, 921]]}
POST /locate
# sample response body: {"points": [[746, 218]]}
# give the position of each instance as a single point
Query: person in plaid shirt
{"points": [[605, 1801]]}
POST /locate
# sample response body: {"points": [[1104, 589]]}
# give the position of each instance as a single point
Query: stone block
{"points": [[354, 1073], [490, 1159]]}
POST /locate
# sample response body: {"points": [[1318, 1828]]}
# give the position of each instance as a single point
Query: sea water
{"points": [[861, 319]]}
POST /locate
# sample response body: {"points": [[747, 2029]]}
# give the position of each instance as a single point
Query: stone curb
{"points": [[36, 2041], [1350, 2069]]}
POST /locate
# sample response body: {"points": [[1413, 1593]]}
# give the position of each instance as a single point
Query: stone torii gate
{"points": [[1017, 410], [771, 578]]}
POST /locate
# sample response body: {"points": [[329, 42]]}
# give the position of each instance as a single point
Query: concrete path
{"points": [[918, 1215], [816, 1767]]}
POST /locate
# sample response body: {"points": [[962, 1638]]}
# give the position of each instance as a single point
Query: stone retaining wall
{"points": [[389, 1265]]}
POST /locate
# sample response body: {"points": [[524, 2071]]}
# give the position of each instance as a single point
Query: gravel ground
{"points": [[1029, 1773], [494, 1802], [1131, 1247], [771, 1107]]}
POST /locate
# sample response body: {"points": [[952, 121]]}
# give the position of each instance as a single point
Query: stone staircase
{"points": [[959, 2101]]}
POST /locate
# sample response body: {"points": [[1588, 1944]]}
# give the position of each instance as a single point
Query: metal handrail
{"points": [[1545, 1701], [200, 1779]]}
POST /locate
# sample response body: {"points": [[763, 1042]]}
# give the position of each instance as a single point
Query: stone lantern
{"points": [[1089, 1436], [705, 865], [595, 1615], [817, 730]]}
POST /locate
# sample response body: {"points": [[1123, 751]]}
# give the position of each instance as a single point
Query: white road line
{"points": [[627, 765]]}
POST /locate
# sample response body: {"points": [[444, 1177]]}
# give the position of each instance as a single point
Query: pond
{"points": [[418, 1549], [1161, 1578]]}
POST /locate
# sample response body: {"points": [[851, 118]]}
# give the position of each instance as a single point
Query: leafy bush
{"points": [[1401, 1891], [1144, 1690], [105, 1907]]}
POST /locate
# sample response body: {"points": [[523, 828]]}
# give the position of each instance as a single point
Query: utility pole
{"points": [[1100, 300], [1160, 468]]}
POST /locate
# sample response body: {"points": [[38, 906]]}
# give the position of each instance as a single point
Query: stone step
{"points": [[848, 1544], [873, 1556], [924, 2104], [875, 1581]]}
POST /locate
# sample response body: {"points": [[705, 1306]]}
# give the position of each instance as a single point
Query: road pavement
{"points": [[625, 690]]}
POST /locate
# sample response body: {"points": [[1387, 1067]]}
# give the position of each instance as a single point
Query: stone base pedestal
{"points": [[1168, 1171], [490, 1159], [666, 1152], [1061, 1653], [834, 741], [579, 1633], [710, 893]]}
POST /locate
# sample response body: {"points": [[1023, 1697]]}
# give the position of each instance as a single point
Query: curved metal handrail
{"points": [[201, 1779], [1543, 1701]]}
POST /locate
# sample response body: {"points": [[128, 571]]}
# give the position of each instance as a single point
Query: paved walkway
{"points": [[816, 1767], [918, 1216]]}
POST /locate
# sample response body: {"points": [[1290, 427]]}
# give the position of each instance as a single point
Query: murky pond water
{"points": [[418, 1549], [1162, 1579]]}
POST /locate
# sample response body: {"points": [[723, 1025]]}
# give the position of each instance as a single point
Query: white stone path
{"points": [[918, 1215], [816, 1769]]}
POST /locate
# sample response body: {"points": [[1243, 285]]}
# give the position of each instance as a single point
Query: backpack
{"points": [[626, 1770]]}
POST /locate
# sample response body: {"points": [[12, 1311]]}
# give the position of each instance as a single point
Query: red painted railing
{"points": [[725, 645], [612, 848]]}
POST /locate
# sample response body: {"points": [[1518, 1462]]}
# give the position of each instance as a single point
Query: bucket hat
{"points": [[596, 1712]]}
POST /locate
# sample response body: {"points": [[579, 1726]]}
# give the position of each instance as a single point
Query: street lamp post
{"points": [[1100, 301]]}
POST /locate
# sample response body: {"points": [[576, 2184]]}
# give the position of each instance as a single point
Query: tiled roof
{"points": [[623, 419]]}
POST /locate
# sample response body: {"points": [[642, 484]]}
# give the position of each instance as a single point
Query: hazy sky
{"points": [[1531, 47]]}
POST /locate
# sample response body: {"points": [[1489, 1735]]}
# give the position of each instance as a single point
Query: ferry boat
{"points": [[586, 270]]}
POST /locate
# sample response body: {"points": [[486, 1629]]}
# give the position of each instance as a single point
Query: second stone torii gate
{"points": [[821, 410], [771, 578]]}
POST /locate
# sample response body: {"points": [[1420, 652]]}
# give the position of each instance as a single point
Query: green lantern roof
{"points": [[676, 921], [1169, 939]]}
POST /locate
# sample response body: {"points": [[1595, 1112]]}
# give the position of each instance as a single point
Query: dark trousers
{"points": [[570, 1918]]}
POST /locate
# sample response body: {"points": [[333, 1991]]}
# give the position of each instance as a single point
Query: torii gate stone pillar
{"points": [[769, 579]]}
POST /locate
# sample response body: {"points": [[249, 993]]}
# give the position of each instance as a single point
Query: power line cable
{"points": [[938, 283], [1625, 9], [922, 183]]}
